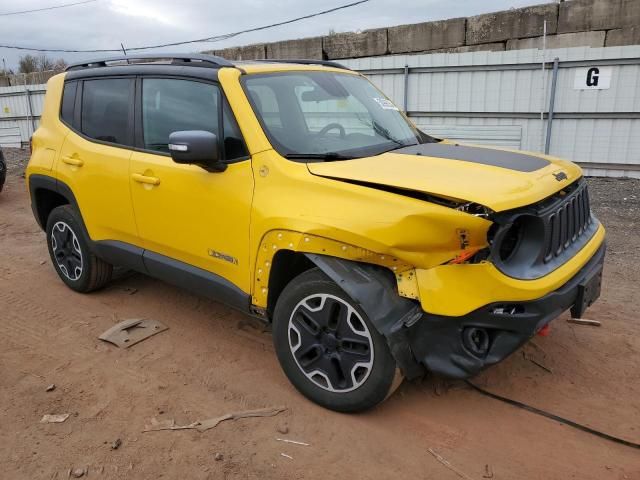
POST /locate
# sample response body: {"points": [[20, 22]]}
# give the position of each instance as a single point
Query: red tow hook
{"points": [[545, 331]]}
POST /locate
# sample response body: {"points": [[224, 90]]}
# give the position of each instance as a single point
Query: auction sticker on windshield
{"points": [[386, 104]]}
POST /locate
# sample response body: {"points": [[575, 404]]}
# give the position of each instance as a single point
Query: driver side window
{"points": [[348, 112], [171, 105]]}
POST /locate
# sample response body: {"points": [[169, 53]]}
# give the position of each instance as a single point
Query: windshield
{"points": [[327, 115]]}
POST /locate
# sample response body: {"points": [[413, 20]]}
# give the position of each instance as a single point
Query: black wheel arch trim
{"points": [[45, 182], [373, 288]]}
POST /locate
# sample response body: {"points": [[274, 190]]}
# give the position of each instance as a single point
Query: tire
{"points": [[70, 254], [329, 349]]}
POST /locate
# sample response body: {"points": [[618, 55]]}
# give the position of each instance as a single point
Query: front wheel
{"points": [[328, 348]]}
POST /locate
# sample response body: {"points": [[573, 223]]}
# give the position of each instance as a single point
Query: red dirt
{"points": [[213, 360]]}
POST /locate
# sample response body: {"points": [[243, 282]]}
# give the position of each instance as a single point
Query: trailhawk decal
{"points": [[222, 256], [520, 162]]}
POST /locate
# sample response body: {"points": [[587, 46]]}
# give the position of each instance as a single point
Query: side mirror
{"points": [[196, 147]]}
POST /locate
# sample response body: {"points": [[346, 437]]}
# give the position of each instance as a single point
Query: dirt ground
{"points": [[213, 360]]}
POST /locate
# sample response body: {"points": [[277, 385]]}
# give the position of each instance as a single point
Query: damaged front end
{"points": [[460, 347], [491, 309]]}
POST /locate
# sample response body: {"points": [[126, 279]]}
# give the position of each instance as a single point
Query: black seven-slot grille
{"points": [[532, 241], [567, 222]]}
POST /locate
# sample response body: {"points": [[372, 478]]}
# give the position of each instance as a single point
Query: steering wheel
{"points": [[330, 127]]}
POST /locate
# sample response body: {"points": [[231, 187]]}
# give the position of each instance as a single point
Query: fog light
{"points": [[476, 340]]}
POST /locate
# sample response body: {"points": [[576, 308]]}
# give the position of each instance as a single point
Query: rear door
{"points": [[184, 212], [94, 159]]}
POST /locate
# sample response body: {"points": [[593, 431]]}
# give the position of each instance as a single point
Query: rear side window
{"points": [[105, 110], [68, 102]]}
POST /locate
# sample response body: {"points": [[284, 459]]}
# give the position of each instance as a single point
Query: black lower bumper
{"points": [[459, 347]]}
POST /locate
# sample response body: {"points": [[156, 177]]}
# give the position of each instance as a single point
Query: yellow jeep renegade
{"points": [[297, 192]]}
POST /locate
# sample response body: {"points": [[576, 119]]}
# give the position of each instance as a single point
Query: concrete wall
{"points": [[310, 48], [509, 24], [572, 23], [349, 45]]}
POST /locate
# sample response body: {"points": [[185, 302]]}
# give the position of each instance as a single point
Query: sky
{"points": [[107, 23]]}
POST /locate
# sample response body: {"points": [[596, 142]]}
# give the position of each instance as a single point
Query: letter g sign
{"points": [[592, 76]]}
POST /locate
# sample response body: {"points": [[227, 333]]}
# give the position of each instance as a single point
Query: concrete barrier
{"points": [[564, 40], [583, 15], [421, 37], [247, 52], [369, 43], [623, 36], [572, 23], [296, 49], [483, 47], [517, 23]]}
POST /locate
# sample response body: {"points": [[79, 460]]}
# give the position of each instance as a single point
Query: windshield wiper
{"points": [[327, 157], [384, 132]]}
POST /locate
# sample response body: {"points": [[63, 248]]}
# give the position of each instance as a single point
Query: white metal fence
{"points": [[493, 98], [497, 98], [20, 110]]}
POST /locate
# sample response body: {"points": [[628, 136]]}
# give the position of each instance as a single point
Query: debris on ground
{"points": [[130, 290], [488, 471], [284, 429], [286, 456], [204, 425], [54, 418], [218, 457], [584, 321], [78, 472], [536, 362], [292, 441], [129, 332], [116, 444], [50, 388], [446, 463]]}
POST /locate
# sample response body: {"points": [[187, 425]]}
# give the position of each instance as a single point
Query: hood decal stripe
{"points": [[486, 156]]}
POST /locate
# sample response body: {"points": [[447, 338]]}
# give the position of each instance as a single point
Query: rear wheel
{"points": [[70, 254], [328, 348]]}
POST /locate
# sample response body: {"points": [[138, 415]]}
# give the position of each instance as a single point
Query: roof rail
{"points": [[326, 63], [182, 59]]}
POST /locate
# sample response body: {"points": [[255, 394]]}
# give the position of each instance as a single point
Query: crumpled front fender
{"points": [[374, 289]]}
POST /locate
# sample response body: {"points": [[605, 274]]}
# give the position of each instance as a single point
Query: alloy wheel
{"points": [[66, 250], [330, 343]]}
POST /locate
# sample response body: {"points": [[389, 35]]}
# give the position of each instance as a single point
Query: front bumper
{"points": [[443, 346]]}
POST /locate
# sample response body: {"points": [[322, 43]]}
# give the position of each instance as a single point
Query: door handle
{"points": [[74, 161], [145, 179]]}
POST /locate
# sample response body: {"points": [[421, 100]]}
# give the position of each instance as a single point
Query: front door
{"points": [[184, 212]]}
